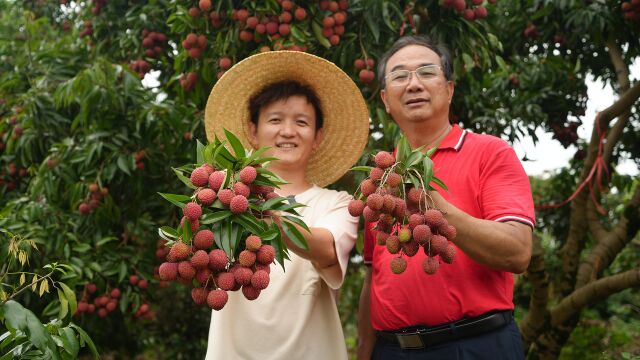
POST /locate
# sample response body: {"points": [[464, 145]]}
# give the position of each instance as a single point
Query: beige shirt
{"points": [[296, 316]]}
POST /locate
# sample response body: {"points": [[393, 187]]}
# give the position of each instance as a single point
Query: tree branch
{"points": [[538, 315], [622, 71], [593, 292]]}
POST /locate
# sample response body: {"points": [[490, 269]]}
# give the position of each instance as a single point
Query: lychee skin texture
{"points": [[260, 279], [376, 174], [206, 196], [438, 244], [186, 270], [203, 239], [404, 234], [218, 260], [250, 293], [243, 275], [448, 231], [393, 179], [238, 204], [216, 179], [434, 218], [398, 265], [393, 244], [253, 243], [388, 204], [266, 268], [199, 295], [375, 201], [217, 299], [226, 281], [266, 254], [248, 174], [370, 215], [384, 159], [367, 187], [241, 189], [225, 196], [84, 208], [422, 234], [356, 207], [410, 248], [448, 254], [415, 195], [381, 238], [202, 276], [199, 177], [179, 251], [247, 258], [168, 271], [430, 265], [200, 259], [195, 224], [193, 211]]}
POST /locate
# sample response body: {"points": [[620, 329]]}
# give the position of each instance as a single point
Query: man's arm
{"points": [[366, 333], [502, 246]]}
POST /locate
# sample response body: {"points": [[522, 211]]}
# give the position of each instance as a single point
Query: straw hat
{"points": [[346, 118]]}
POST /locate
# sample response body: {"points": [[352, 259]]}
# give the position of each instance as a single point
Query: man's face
{"points": [[419, 99]]}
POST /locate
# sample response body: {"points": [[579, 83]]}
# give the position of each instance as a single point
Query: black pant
{"points": [[500, 344]]}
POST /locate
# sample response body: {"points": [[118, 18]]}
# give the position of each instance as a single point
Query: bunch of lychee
{"points": [[153, 42], [139, 157], [470, 14], [93, 198], [212, 274], [97, 7], [365, 68], [140, 66], [194, 44], [333, 25], [101, 304], [87, 29], [631, 10], [405, 217], [224, 63], [11, 178]]}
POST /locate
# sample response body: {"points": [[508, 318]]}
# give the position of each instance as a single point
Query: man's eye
{"points": [[400, 76]]}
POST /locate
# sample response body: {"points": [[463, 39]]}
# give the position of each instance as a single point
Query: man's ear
{"points": [[253, 134], [383, 96], [318, 139]]}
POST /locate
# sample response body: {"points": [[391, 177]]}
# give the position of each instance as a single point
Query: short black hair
{"points": [[421, 40], [283, 90]]}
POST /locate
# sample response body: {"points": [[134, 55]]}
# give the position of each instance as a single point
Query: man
{"points": [[465, 309]]}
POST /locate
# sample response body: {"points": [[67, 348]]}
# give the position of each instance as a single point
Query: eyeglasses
{"points": [[402, 77]]}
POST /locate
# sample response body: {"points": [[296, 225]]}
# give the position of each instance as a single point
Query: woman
{"points": [[315, 121]]}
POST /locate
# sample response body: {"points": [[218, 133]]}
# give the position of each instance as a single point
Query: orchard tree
{"points": [[85, 147]]}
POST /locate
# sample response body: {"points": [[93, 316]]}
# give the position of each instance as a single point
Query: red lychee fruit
{"points": [[186, 270], [247, 258], [253, 243], [203, 276], [356, 207], [367, 187], [218, 260], [199, 177], [195, 224], [206, 196], [448, 231], [115, 293], [200, 259], [248, 175], [398, 265], [84, 208], [376, 174], [381, 238], [216, 179], [225, 196], [192, 210], [300, 14], [266, 254], [241, 189], [179, 251], [422, 234], [168, 271], [370, 215], [393, 179], [143, 284], [375, 201], [133, 279], [434, 218], [205, 5], [266, 268], [238, 204], [199, 295], [226, 281], [366, 76], [243, 275], [448, 254], [415, 195], [260, 279], [393, 244], [217, 299], [203, 239], [91, 288], [102, 312], [438, 244], [400, 209], [249, 292], [415, 220], [430, 265], [410, 248]]}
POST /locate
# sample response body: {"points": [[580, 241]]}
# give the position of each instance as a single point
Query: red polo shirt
{"points": [[486, 180]]}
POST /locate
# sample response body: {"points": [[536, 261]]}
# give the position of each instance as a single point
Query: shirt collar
{"points": [[454, 139]]}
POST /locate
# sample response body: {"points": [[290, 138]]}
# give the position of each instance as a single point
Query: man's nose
{"points": [[414, 82]]}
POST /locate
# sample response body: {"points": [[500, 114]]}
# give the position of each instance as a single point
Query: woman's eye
{"points": [[302, 122]]}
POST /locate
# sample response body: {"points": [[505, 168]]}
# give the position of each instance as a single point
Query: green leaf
{"points": [[64, 305], [69, 340], [168, 231], [86, 339], [17, 317], [297, 221], [236, 145], [177, 200], [414, 158], [440, 183], [254, 155], [431, 151], [294, 235], [403, 150], [215, 217], [317, 32], [186, 231], [185, 180], [501, 63], [199, 152], [223, 158], [123, 164], [427, 171], [249, 222], [362, 168]]}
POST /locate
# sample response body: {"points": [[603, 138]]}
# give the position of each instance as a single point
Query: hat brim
{"points": [[345, 113]]}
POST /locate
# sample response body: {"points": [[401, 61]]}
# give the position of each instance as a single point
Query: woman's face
{"points": [[288, 127]]}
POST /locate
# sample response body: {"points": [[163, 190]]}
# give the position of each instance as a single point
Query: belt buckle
{"points": [[410, 340]]}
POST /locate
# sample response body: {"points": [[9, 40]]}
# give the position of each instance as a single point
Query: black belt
{"points": [[421, 337]]}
